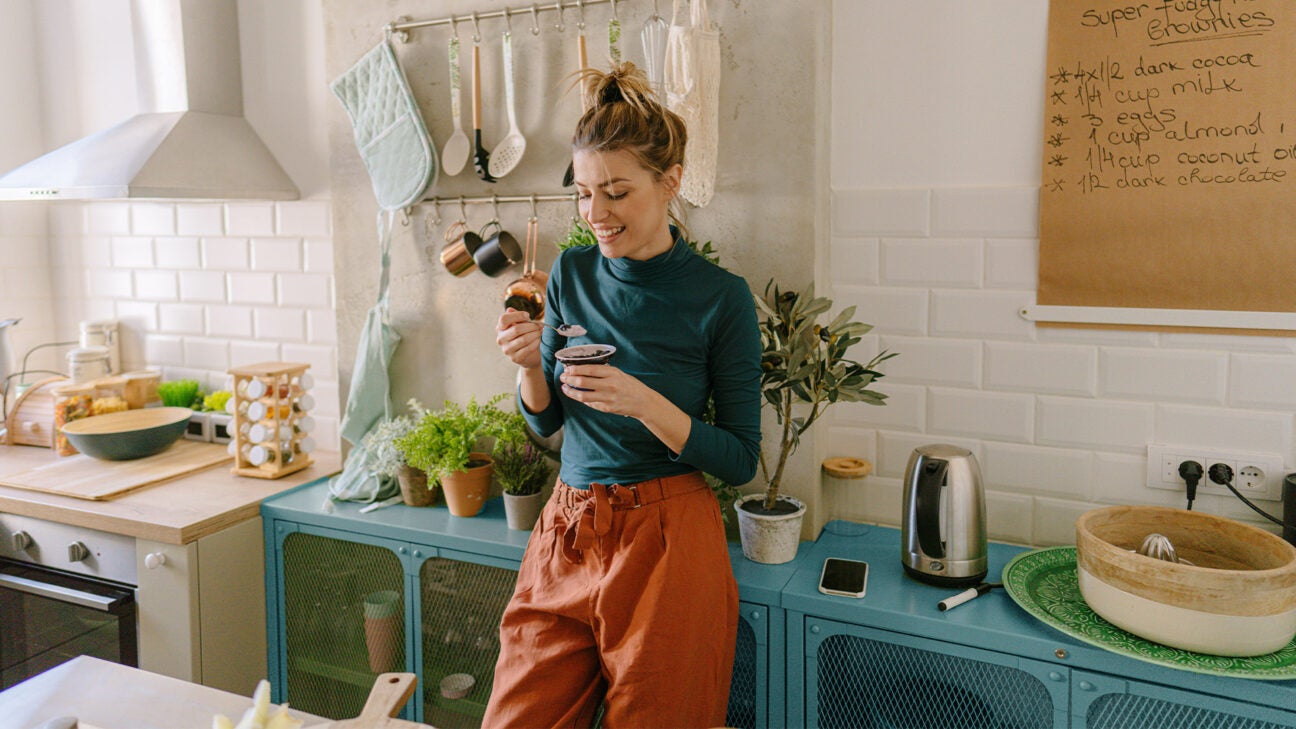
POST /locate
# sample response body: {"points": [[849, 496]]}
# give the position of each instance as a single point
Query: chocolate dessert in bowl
{"points": [[583, 354]]}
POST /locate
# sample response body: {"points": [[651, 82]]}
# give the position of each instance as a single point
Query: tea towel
{"points": [[693, 91]]}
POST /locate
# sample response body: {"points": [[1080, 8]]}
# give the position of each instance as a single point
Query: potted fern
{"points": [[804, 370], [522, 471], [448, 445]]}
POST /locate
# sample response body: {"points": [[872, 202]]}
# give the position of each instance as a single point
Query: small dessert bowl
{"points": [[583, 354]]}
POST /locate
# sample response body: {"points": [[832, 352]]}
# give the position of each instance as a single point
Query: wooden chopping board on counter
{"points": [[83, 477], [389, 693]]}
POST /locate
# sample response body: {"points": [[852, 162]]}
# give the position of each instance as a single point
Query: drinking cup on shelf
{"points": [[382, 624]]}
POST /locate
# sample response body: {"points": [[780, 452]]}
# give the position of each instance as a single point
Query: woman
{"points": [[625, 595]]}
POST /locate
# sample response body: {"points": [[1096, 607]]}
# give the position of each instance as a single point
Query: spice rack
{"points": [[271, 422]]}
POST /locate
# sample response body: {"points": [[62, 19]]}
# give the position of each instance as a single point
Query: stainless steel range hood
{"points": [[191, 141]]}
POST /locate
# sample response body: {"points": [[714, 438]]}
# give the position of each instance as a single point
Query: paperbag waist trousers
{"points": [[625, 595]]}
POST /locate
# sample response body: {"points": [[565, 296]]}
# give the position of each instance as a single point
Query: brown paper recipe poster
{"points": [[1169, 167]]}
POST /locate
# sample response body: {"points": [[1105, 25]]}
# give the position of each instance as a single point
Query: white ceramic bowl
{"points": [[457, 685], [1237, 598]]}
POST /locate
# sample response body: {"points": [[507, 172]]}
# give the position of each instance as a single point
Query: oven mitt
{"points": [[389, 130], [692, 82]]}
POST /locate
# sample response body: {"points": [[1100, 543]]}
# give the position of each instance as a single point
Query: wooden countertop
{"points": [[178, 511]]}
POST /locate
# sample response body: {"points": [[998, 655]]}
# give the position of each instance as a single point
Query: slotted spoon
{"points": [[455, 153], [509, 151]]}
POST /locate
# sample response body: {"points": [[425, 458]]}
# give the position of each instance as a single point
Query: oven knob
{"points": [[21, 541], [77, 551], [153, 560]]}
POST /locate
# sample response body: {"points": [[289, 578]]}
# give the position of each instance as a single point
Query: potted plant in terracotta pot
{"points": [[522, 471], [804, 370], [447, 445], [387, 461]]}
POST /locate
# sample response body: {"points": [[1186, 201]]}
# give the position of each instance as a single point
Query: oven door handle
{"points": [[103, 603]]}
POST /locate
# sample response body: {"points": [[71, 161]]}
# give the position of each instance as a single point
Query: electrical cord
{"points": [[1222, 474], [1191, 473]]}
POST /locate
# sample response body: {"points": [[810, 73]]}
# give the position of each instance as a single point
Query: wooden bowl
{"points": [[1237, 598], [128, 434]]}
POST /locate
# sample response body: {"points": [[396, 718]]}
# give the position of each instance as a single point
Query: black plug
{"points": [[1191, 473], [1221, 473]]}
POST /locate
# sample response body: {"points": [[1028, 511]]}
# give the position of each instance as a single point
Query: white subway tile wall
{"points": [[197, 287], [1059, 418]]}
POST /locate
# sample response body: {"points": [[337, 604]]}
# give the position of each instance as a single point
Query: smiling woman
{"points": [[680, 331]]}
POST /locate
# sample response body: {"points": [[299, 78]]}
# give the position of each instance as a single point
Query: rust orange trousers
{"points": [[625, 596]]}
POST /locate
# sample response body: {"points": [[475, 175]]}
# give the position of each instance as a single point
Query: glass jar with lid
{"points": [[71, 402], [109, 395], [142, 389], [86, 364]]}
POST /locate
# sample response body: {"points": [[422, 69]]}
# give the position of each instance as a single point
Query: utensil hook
{"points": [[614, 11], [561, 26], [508, 20], [655, 13], [454, 27], [535, 19], [463, 210], [534, 214], [495, 208], [476, 29], [580, 19]]}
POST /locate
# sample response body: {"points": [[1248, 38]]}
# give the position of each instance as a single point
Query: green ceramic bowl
{"points": [[128, 434]]}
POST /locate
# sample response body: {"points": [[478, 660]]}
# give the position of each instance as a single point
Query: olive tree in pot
{"points": [[449, 446], [804, 370]]}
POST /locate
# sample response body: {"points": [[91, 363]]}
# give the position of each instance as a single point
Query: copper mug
{"points": [[457, 256]]}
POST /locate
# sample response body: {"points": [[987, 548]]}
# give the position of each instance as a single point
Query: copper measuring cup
{"points": [[527, 292]]}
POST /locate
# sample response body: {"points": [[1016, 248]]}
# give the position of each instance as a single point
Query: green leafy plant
{"points": [[521, 468], [804, 363], [215, 402], [181, 394], [380, 441], [441, 441]]}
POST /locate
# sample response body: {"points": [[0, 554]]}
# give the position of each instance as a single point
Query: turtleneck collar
{"points": [[632, 271]]}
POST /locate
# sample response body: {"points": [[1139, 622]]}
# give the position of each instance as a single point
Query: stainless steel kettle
{"points": [[943, 533]]}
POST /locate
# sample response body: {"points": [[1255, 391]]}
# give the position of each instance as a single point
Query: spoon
{"points": [[566, 330], [508, 152], [455, 153]]}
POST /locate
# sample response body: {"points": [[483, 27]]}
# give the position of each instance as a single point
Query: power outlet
{"points": [[1255, 475]]}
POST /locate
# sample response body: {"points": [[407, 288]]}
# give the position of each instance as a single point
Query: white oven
{"points": [[64, 591]]}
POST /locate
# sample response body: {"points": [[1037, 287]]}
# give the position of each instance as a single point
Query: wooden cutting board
{"points": [[389, 693], [84, 477]]}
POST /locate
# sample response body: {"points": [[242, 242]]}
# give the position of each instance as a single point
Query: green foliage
{"points": [[181, 394], [804, 363], [521, 468], [215, 402], [441, 441], [380, 441]]}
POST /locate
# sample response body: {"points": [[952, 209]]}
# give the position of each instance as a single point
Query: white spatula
{"points": [[455, 153], [508, 152]]}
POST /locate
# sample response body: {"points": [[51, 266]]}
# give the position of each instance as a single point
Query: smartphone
{"points": [[847, 577]]}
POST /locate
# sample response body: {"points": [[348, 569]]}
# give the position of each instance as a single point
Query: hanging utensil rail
{"points": [[497, 199], [401, 26]]}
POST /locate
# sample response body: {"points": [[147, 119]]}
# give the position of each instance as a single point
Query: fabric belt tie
{"points": [[596, 507]]}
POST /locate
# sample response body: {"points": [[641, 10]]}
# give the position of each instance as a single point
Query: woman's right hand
{"points": [[519, 338]]}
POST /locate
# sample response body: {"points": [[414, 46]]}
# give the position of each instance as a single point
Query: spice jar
{"points": [[71, 402], [142, 389], [86, 364]]}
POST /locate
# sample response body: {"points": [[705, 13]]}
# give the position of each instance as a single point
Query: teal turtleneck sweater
{"points": [[685, 328]]}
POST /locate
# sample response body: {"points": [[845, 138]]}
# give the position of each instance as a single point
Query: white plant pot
{"points": [[769, 539], [521, 512]]}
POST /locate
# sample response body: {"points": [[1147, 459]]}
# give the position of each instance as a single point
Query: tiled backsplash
{"points": [[1059, 419], [197, 287]]}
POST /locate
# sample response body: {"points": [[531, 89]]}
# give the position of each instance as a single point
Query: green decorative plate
{"points": [[1043, 582]]}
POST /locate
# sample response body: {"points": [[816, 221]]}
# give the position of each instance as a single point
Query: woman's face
{"points": [[624, 204]]}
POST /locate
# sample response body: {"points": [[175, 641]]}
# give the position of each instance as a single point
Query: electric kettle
{"points": [[943, 532]]}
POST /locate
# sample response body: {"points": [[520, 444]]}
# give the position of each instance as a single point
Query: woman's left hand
{"points": [[607, 389]]}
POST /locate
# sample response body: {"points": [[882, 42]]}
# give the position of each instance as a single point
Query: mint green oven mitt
{"points": [[389, 131]]}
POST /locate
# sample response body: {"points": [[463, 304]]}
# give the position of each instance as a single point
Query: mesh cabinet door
{"points": [[1105, 702], [748, 685], [334, 650], [860, 678], [462, 605]]}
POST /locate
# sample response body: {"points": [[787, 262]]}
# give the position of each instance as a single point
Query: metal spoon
{"points": [[566, 330]]}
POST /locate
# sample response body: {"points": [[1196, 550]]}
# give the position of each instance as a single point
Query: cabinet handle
{"points": [[1086, 686], [755, 615], [153, 560], [1055, 676], [418, 553], [814, 629], [402, 550]]}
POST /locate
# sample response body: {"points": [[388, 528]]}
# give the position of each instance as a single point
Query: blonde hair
{"points": [[625, 115]]}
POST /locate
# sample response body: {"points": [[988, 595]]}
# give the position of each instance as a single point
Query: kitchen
{"points": [[910, 190]]}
